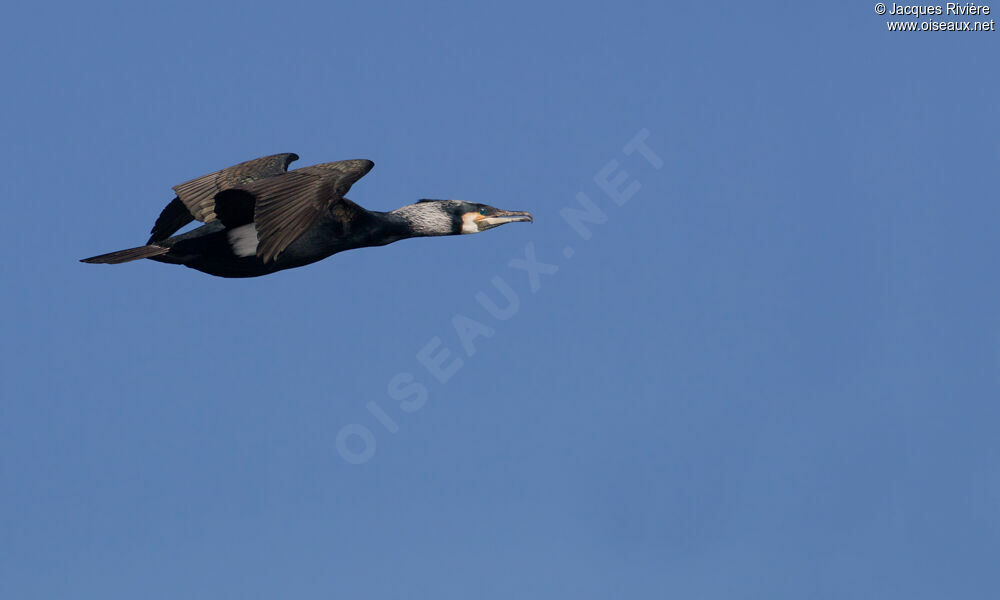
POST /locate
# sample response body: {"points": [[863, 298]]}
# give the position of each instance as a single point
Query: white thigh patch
{"points": [[243, 240]]}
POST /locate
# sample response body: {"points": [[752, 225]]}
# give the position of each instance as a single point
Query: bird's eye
{"points": [[482, 211]]}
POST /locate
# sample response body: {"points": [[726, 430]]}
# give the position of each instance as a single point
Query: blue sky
{"points": [[772, 372]]}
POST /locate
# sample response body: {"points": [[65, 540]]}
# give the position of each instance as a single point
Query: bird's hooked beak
{"points": [[500, 217]]}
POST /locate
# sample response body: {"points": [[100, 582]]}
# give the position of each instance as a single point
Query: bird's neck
{"points": [[417, 220]]}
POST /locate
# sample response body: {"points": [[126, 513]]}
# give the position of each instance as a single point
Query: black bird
{"points": [[260, 218]]}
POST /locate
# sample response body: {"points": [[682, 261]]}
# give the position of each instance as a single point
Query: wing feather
{"points": [[289, 205], [198, 195]]}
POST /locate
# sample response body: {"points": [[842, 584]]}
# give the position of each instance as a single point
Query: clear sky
{"points": [[769, 368]]}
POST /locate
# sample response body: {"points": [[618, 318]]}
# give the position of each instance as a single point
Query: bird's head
{"points": [[450, 217], [474, 218]]}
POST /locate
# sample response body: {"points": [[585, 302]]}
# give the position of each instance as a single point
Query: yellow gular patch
{"points": [[469, 222]]}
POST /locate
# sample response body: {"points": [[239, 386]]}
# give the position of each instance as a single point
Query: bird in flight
{"points": [[260, 218]]}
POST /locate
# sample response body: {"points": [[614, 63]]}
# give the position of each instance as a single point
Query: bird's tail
{"points": [[124, 256]]}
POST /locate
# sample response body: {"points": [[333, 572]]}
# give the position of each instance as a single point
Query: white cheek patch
{"points": [[243, 240], [469, 223]]}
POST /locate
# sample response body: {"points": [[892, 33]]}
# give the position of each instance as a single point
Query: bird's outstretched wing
{"points": [[198, 195], [172, 218], [288, 205]]}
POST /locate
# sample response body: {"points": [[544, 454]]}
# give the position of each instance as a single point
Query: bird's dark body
{"points": [[347, 226], [260, 218]]}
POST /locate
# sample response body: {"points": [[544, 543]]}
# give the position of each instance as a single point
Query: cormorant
{"points": [[259, 218]]}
